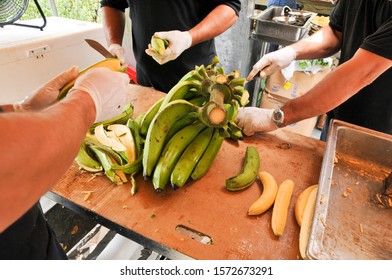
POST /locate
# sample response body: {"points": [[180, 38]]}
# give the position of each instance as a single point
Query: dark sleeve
{"points": [[337, 16], [380, 42], [234, 4], [117, 4]]}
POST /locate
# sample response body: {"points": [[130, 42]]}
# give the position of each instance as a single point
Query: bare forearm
{"points": [[114, 24], [323, 43], [37, 148], [215, 23], [333, 90]]}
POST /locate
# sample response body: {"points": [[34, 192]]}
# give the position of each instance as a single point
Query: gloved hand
{"points": [[178, 43], [271, 62], [109, 90], [119, 52], [46, 95], [253, 119]]}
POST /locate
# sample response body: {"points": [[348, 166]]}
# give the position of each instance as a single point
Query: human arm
{"points": [[216, 22], [341, 84], [39, 146], [323, 43], [113, 25]]}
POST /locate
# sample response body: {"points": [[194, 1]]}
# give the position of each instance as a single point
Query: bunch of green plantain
{"points": [[185, 129], [114, 147]]}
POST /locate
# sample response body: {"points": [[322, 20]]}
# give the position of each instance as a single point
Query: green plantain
{"points": [[188, 160], [172, 152], [248, 173], [157, 132], [208, 156]]}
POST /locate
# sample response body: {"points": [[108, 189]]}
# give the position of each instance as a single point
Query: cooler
{"points": [[30, 57]]}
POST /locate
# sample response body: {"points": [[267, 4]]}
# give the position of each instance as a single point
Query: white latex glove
{"points": [[253, 119], [46, 95], [119, 52], [109, 90], [178, 43], [271, 62]]}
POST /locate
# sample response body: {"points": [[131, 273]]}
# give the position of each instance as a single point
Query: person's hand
{"points": [[253, 119], [109, 90], [178, 43], [46, 95], [119, 52], [272, 62]]}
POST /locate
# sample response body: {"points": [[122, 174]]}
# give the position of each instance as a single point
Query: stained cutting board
{"points": [[204, 205]]}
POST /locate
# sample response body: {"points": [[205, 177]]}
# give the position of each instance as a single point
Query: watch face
{"points": [[278, 117]]}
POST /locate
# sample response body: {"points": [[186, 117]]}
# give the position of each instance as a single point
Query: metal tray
{"points": [[347, 223], [268, 30]]}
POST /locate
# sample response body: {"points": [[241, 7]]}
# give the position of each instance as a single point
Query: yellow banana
{"points": [[281, 207], [188, 160], [149, 115], [209, 155], [172, 152], [248, 173], [157, 131], [306, 223], [301, 203], [267, 198]]}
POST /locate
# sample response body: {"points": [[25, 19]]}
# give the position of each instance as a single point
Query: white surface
{"points": [[30, 57]]}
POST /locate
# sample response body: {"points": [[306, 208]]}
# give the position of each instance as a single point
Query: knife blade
{"points": [[99, 48]]}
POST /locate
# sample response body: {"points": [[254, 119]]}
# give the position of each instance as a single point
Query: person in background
{"points": [[358, 91], [290, 3], [40, 138], [189, 25]]}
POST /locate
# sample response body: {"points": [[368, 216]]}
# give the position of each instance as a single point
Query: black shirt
{"points": [[30, 238], [366, 24], [150, 16]]}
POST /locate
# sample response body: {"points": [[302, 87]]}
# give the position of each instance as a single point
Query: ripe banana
{"points": [[306, 223], [149, 115], [87, 162], [157, 131], [188, 160], [159, 45], [301, 203], [281, 207], [172, 152], [267, 198], [208, 156], [248, 173], [179, 91]]}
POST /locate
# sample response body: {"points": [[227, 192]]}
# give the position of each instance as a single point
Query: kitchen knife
{"points": [[99, 48]]}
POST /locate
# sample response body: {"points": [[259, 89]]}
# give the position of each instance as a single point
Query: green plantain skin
{"points": [[172, 152], [149, 115], [208, 156], [188, 160], [179, 91], [248, 173], [158, 129]]}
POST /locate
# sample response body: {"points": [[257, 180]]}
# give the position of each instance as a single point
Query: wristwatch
{"points": [[278, 117]]}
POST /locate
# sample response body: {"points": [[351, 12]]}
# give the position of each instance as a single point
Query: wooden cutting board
{"points": [[204, 205]]}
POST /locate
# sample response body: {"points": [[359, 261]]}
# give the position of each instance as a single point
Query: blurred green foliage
{"points": [[85, 10]]}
